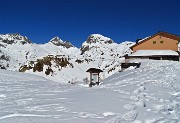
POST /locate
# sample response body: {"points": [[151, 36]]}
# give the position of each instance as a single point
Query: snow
{"points": [[154, 53], [143, 39], [35, 99], [149, 94], [153, 87], [105, 56], [101, 37], [94, 38]]}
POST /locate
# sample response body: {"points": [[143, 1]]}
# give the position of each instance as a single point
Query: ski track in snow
{"points": [[150, 94]]}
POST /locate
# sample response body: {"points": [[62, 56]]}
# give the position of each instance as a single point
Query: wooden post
{"points": [[98, 79], [90, 84], [90, 77]]}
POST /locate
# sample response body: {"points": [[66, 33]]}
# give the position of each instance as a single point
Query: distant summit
{"points": [[94, 38], [11, 38], [58, 42]]}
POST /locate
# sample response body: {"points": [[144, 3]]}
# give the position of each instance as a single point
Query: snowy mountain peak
{"points": [[58, 42], [11, 38], [94, 38]]}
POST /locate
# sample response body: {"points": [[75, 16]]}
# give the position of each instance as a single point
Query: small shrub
{"points": [[86, 80], [79, 61], [2, 67], [64, 63], [110, 70], [3, 57], [71, 65], [107, 66], [48, 71], [88, 60], [38, 66], [31, 63], [47, 61], [24, 68]]}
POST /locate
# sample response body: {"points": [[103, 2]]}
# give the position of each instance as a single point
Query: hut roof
{"points": [[154, 53], [94, 70]]}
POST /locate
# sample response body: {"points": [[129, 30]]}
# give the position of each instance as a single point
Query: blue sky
{"points": [[75, 20]]}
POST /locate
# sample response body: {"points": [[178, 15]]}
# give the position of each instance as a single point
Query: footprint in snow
{"points": [[140, 103], [130, 116], [130, 107], [139, 90]]}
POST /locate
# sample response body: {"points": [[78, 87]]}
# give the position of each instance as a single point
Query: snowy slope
{"points": [[35, 99], [149, 94], [154, 91], [8, 57], [103, 53]]}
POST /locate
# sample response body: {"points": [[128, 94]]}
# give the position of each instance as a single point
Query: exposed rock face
{"points": [[67, 44], [58, 42], [84, 49]]}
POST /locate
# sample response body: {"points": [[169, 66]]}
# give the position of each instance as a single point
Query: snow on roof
{"points": [[143, 39], [154, 53]]}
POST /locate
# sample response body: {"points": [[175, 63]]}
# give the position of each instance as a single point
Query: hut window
{"points": [[154, 42], [161, 42]]}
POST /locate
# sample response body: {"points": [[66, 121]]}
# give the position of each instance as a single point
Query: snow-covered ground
{"points": [[149, 94], [154, 90], [25, 98]]}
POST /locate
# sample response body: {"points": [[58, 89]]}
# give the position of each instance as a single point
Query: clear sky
{"points": [[75, 20]]}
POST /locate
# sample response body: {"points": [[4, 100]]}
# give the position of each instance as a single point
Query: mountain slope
{"points": [[103, 53], [107, 53], [19, 53]]}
